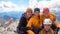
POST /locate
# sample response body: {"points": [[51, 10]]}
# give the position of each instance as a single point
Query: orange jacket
{"points": [[33, 22], [52, 18]]}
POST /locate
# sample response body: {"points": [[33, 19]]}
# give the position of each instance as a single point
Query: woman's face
{"points": [[29, 14], [36, 13], [47, 27]]}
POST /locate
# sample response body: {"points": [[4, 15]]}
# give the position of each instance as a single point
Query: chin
{"points": [[46, 29]]}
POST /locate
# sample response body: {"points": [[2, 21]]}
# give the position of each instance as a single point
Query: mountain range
{"points": [[13, 14], [17, 15]]}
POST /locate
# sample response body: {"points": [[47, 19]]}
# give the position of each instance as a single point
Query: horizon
{"points": [[18, 7]]}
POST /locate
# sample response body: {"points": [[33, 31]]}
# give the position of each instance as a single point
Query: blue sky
{"points": [[21, 5], [18, 2]]}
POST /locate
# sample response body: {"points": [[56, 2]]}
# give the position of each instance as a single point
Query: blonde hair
{"points": [[28, 10]]}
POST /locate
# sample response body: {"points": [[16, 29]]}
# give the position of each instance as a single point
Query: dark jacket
{"points": [[22, 24]]}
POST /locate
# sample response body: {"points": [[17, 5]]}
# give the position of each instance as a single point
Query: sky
{"points": [[22, 5]]}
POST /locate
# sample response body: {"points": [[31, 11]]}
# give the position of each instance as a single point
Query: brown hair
{"points": [[37, 9], [49, 32]]}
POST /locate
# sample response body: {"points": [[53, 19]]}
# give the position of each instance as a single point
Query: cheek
{"points": [[37, 13], [29, 13], [46, 27]]}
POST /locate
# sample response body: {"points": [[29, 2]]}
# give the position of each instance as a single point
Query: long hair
{"points": [[44, 32]]}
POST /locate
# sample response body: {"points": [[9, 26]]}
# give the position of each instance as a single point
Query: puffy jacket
{"points": [[33, 23], [52, 18]]}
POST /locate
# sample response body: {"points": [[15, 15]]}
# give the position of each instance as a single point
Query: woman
{"points": [[47, 27], [34, 22], [21, 29]]}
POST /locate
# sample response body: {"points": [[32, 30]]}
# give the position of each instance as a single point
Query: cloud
{"points": [[52, 4], [33, 3], [9, 6]]}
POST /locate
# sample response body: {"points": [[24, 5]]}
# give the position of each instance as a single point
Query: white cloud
{"points": [[33, 3], [52, 4], [43, 4], [9, 6]]}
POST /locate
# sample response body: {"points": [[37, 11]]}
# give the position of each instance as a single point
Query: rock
{"points": [[2, 29], [10, 27]]}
